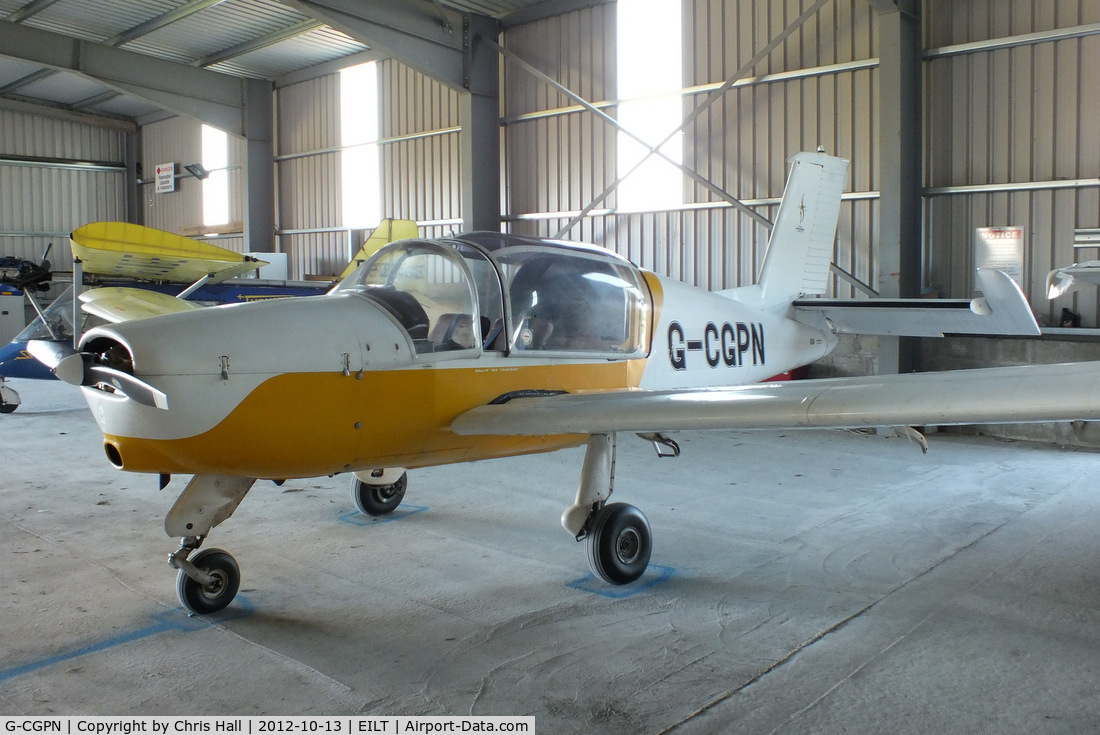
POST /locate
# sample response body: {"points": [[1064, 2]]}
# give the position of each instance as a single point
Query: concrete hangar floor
{"points": [[801, 582]]}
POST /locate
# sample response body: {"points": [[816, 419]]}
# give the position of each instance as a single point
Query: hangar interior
{"points": [[514, 115], [955, 116]]}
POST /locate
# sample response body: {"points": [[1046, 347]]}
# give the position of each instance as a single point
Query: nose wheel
{"points": [[619, 543], [208, 581], [380, 498]]}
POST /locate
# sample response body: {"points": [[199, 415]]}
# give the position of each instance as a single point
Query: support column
{"points": [[259, 167], [900, 166], [479, 113], [135, 209]]}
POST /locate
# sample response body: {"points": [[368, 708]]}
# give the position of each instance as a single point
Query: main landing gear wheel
{"points": [[380, 500], [619, 543], [205, 599]]}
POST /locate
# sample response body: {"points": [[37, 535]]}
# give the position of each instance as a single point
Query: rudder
{"points": [[800, 247]]}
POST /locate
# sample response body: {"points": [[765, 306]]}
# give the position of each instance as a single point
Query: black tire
{"points": [[205, 600], [8, 407], [619, 543], [380, 500]]}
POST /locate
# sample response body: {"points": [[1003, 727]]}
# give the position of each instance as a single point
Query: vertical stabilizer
{"points": [[800, 248], [387, 231]]}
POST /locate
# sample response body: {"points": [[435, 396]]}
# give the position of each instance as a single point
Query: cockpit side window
{"points": [[427, 288], [575, 303]]}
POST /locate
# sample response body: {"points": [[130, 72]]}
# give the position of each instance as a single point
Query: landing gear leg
{"points": [[618, 535], [208, 580], [9, 399]]}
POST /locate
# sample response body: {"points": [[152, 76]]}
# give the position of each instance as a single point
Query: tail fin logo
{"points": [[801, 214]]}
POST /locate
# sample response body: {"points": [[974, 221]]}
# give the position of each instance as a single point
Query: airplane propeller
{"points": [[79, 368]]}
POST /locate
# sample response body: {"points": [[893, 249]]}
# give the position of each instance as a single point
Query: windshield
{"points": [[557, 297], [427, 288], [58, 324]]}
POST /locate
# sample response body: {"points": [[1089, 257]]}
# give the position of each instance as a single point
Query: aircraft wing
{"points": [[988, 395], [1002, 309], [1061, 281], [123, 304], [135, 251]]}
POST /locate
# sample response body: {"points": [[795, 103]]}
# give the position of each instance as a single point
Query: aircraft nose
{"points": [[103, 363]]}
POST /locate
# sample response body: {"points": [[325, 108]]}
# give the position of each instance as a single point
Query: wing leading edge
{"points": [[1028, 393]]}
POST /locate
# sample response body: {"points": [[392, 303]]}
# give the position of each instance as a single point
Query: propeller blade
{"points": [[133, 388], [76, 368]]}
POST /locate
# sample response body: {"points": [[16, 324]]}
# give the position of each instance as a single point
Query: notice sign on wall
{"points": [[166, 178], [1000, 248]]}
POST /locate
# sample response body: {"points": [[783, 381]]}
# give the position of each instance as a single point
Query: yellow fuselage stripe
{"points": [[310, 424]]}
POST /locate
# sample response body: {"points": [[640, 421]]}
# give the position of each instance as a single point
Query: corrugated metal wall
{"points": [[176, 140], [179, 140], [42, 199], [419, 154], [308, 215], [996, 120], [236, 193], [815, 89], [557, 156], [1012, 138], [420, 149]]}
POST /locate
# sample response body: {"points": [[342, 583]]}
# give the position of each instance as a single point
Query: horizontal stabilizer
{"points": [[123, 304], [1019, 394], [1001, 310]]}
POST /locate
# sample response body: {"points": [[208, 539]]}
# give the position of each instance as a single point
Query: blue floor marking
{"points": [[358, 518], [171, 620], [589, 583]]}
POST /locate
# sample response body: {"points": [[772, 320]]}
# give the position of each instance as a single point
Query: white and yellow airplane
{"points": [[490, 345]]}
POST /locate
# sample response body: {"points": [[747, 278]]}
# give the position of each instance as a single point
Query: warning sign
{"points": [[1000, 248], [166, 178]]}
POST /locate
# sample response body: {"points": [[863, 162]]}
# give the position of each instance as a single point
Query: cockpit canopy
{"points": [[492, 291]]}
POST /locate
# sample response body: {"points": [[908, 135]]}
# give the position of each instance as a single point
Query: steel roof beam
{"points": [[32, 8], [410, 31], [17, 103], [162, 20], [547, 9], [256, 44], [217, 99]]}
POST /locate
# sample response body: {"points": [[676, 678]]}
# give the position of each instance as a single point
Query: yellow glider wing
{"points": [[135, 251], [1017, 394]]}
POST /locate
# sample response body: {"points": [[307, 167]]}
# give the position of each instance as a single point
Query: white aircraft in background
{"points": [[1062, 281], [491, 345]]}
